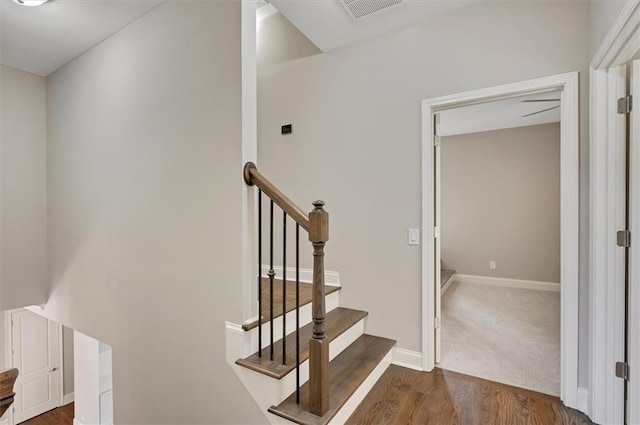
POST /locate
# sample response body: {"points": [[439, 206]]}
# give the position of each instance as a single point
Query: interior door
{"points": [[436, 240], [35, 355], [632, 356]]}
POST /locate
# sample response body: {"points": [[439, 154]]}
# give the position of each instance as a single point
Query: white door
{"points": [[35, 355], [436, 240], [633, 314]]}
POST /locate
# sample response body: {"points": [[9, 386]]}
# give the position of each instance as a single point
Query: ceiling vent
{"points": [[358, 9]]}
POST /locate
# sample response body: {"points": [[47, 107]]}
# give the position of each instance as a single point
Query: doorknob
{"points": [[54, 369]]}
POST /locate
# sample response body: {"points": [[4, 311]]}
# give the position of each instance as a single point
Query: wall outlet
{"points": [[492, 265], [414, 236]]}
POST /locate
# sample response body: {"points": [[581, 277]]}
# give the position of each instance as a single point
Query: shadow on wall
{"points": [[279, 41]]}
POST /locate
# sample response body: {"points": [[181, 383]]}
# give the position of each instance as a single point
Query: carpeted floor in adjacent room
{"points": [[502, 334]]}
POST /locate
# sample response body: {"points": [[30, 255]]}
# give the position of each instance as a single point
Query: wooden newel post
{"points": [[319, 344]]}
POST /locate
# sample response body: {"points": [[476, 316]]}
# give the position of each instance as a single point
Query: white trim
{"points": [[569, 177], [633, 343], [607, 206], [407, 358], [306, 275], [68, 398], [60, 366], [249, 153], [606, 260], [621, 43], [76, 422], [509, 283], [447, 285], [583, 400]]}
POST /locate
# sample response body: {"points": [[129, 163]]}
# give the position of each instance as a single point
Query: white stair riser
{"points": [[332, 301], [267, 391]]}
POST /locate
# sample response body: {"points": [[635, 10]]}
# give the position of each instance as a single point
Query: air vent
{"points": [[358, 9]]}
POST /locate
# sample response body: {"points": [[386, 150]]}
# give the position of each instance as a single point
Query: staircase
{"points": [[7, 381], [312, 361]]}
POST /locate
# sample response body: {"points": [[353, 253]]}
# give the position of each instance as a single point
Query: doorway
{"points": [[42, 350], [567, 86], [500, 237], [64, 376]]}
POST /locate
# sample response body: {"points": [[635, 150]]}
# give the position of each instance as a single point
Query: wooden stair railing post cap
{"points": [[246, 172]]}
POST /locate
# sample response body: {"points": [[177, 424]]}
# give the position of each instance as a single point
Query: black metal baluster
{"points": [[297, 313], [284, 287], [259, 273], [271, 276]]}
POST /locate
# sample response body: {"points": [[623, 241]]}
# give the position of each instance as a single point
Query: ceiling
{"points": [[41, 39], [499, 115], [328, 25]]}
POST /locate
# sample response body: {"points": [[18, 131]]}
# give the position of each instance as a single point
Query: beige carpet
{"points": [[506, 335]]}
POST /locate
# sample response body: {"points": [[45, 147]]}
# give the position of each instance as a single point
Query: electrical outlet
{"points": [[492, 265]]}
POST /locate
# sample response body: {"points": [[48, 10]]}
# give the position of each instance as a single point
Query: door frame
{"points": [[606, 270], [569, 181], [8, 345]]}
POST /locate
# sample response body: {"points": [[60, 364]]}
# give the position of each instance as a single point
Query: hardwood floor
{"points": [[405, 396], [60, 416]]}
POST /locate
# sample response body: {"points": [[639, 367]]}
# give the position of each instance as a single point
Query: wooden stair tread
{"points": [[337, 322], [346, 373], [306, 291]]}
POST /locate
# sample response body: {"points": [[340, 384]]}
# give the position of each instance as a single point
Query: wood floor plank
{"points": [[450, 398], [346, 372], [337, 322], [61, 416], [305, 298]]}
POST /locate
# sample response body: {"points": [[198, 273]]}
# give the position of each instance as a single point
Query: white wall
{"points": [[602, 16], [87, 379], [145, 210], [23, 189], [357, 137], [501, 202], [278, 40]]}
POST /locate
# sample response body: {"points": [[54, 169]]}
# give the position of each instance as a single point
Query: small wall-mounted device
{"points": [[414, 236], [287, 129]]}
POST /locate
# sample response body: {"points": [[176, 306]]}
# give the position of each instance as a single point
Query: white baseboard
{"points": [[583, 401], [76, 422], [510, 283], [407, 358], [447, 285], [306, 275], [67, 398]]}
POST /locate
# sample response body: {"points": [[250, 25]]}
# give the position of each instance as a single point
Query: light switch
{"points": [[414, 236]]}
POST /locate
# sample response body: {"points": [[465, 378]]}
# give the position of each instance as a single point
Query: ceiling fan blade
{"points": [[540, 100], [539, 112]]}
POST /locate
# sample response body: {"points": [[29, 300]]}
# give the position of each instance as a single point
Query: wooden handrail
{"points": [[7, 380], [253, 177], [317, 224]]}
